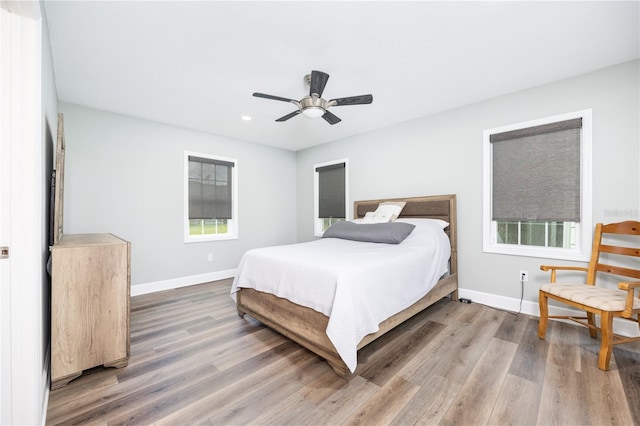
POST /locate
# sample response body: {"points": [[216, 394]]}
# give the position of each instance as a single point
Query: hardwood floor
{"points": [[194, 361]]}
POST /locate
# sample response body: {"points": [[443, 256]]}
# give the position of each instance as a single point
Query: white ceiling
{"points": [[196, 64]]}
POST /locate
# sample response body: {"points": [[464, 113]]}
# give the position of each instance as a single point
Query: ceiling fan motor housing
{"points": [[312, 105], [313, 101]]}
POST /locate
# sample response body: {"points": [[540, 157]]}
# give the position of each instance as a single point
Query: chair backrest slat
{"points": [[629, 227], [625, 251], [618, 270]]}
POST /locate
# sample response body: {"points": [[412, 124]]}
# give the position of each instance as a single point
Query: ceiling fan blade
{"points": [[318, 81], [331, 118], [275, 98], [288, 116], [353, 100]]}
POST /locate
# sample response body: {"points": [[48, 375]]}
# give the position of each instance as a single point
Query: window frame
{"points": [[584, 228], [232, 224], [317, 221]]}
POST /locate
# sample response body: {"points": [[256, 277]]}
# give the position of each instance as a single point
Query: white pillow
{"points": [[388, 211], [370, 217], [416, 221]]}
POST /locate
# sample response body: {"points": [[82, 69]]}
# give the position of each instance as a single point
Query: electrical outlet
{"points": [[524, 276], [210, 257]]}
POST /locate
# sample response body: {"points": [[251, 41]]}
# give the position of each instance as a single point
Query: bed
{"points": [[326, 331]]}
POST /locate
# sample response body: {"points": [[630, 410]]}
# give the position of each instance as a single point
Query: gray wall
{"points": [[125, 176], [442, 154]]}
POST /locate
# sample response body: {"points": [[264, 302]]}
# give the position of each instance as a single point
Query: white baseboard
{"points": [[139, 289], [620, 326]]}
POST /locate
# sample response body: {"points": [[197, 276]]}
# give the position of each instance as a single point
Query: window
{"points": [[211, 198], [330, 194], [537, 188]]}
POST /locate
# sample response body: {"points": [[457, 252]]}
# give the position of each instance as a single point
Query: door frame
{"points": [[25, 388], [5, 218]]}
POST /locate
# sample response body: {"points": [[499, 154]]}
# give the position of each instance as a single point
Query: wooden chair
{"points": [[608, 303]]}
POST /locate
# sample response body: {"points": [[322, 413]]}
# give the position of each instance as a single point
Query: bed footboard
{"points": [[308, 327], [299, 323]]}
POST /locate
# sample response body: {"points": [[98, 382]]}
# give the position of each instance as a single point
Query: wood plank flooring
{"points": [[195, 361]]}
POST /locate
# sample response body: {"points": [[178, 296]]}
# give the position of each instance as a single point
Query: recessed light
{"points": [[246, 117]]}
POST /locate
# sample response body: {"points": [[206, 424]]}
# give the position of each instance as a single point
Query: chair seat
{"points": [[605, 299]]}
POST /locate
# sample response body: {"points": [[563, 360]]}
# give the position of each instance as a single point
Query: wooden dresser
{"points": [[89, 304], [90, 282]]}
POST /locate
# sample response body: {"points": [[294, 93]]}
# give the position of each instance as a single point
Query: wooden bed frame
{"points": [[307, 327]]}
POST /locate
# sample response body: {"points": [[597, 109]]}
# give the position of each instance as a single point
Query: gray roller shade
{"points": [[331, 191], [536, 173], [210, 188]]}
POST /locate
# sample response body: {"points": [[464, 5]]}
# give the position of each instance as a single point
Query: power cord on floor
{"points": [[465, 300]]}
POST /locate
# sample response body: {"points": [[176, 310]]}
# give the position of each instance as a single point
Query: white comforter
{"points": [[356, 284]]}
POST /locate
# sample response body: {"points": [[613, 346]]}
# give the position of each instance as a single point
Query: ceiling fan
{"points": [[313, 106]]}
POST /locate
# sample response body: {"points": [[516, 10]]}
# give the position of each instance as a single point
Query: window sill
{"points": [[538, 252], [209, 238]]}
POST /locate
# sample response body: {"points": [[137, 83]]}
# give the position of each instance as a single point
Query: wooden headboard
{"points": [[429, 207]]}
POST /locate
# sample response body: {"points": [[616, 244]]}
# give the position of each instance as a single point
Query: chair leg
{"points": [[544, 314], [591, 319], [606, 326]]}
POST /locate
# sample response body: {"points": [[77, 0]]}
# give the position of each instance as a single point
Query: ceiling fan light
{"points": [[313, 112]]}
